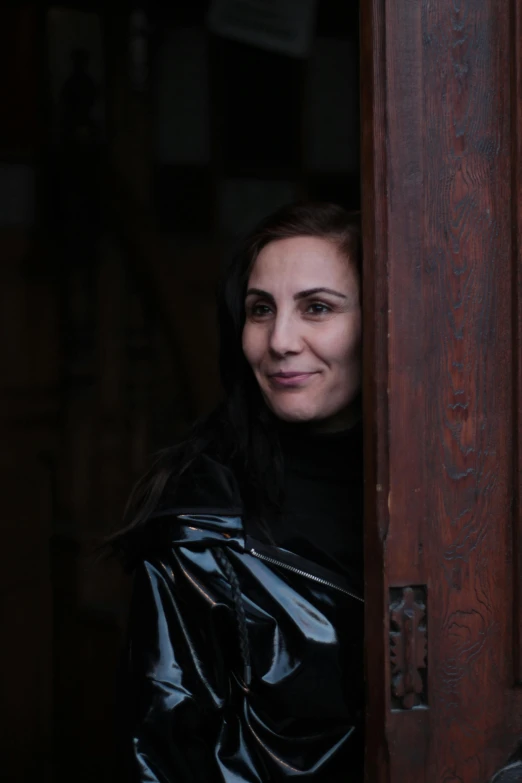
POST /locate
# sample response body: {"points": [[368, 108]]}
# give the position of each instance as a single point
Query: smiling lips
{"points": [[290, 378]]}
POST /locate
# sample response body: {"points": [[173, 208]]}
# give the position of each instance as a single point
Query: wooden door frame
{"points": [[418, 60]]}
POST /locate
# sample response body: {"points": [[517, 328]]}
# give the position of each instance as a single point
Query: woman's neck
{"points": [[341, 422], [344, 420]]}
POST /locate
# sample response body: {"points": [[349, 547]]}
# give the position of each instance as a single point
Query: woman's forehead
{"points": [[308, 262]]}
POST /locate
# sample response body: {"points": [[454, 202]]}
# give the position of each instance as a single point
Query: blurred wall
{"points": [[134, 149]]}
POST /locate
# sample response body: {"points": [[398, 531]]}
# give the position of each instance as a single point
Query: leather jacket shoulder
{"points": [[243, 661]]}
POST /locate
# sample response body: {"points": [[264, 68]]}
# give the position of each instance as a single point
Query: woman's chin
{"points": [[295, 416], [321, 420]]}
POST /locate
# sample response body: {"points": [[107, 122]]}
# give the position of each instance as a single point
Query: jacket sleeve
{"points": [[170, 683], [511, 772]]}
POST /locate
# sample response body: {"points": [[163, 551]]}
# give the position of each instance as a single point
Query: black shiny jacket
{"points": [[244, 661]]}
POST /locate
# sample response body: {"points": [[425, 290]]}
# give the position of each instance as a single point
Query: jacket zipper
{"points": [[294, 570]]}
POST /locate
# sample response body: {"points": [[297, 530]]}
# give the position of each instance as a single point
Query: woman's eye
{"points": [[260, 310], [318, 308]]}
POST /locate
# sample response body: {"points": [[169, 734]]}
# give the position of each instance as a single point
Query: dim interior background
{"points": [[137, 142]]}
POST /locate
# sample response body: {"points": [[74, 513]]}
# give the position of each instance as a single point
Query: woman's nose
{"points": [[285, 337]]}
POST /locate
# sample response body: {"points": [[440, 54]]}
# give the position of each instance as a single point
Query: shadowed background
{"points": [[136, 142]]}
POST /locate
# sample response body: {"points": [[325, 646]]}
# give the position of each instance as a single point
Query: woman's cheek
{"points": [[250, 344], [352, 340], [344, 343]]}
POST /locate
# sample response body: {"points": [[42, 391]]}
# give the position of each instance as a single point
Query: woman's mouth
{"points": [[290, 378]]}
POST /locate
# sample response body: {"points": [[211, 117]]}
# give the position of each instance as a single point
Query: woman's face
{"points": [[302, 333]]}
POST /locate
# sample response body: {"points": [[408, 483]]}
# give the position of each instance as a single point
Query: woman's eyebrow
{"points": [[313, 291], [260, 292], [300, 295]]}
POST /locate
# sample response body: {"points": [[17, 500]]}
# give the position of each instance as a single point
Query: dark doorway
{"points": [[163, 136]]}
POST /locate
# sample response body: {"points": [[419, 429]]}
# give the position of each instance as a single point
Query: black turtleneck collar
{"points": [[322, 454], [322, 517]]}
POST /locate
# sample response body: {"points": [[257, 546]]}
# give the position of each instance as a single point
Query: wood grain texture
{"points": [[450, 277], [516, 215], [467, 268]]}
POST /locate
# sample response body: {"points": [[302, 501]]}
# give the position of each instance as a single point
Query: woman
{"points": [[244, 658]]}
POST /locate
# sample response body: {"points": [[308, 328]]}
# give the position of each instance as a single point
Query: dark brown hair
{"points": [[313, 219]]}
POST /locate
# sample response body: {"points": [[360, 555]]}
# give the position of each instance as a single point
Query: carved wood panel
{"points": [[408, 647], [437, 161]]}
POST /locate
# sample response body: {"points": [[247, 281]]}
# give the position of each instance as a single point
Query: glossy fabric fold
{"points": [[189, 716]]}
